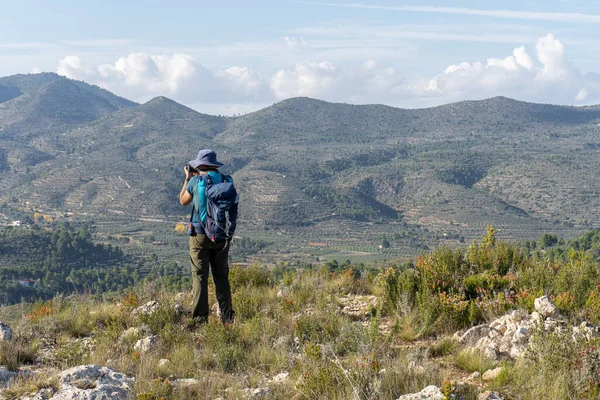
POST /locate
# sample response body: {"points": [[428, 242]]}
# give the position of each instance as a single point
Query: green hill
{"points": [[342, 176]]}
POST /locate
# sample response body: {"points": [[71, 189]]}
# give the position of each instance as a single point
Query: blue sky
{"points": [[237, 56]]}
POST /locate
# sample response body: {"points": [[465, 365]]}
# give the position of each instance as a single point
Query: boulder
{"points": [[6, 376], [146, 344], [517, 351], [545, 307], [131, 334], [491, 374], [491, 353], [472, 335], [147, 309], [536, 317], [521, 335], [93, 382], [5, 332], [281, 378], [429, 393]]}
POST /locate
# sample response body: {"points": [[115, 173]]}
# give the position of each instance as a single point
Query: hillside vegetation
{"points": [[341, 176], [333, 332]]}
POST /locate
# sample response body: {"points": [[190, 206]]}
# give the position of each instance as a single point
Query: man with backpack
{"points": [[211, 228]]}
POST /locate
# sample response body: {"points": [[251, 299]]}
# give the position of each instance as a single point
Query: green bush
{"points": [[254, 275]]}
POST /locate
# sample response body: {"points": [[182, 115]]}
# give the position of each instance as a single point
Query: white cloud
{"points": [[551, 79], [546, 75], [241, 80], [158, 73], [327, 81], [141, 76]]}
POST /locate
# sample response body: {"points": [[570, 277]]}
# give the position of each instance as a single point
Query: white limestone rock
{"points": [[185, 382], [545, 307], [517, 351], [146, 344], [472, 335], [536, 317], [6, 332], [281, 378], [429, 393], [491, 353], [491, 374], [256, 393], [93, 382], [521, 335], [147, 309]]}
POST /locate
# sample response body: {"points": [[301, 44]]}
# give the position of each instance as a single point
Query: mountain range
{"points": [[310, 173]]}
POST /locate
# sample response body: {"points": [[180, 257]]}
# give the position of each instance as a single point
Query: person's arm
{"points": [[184, 197]]}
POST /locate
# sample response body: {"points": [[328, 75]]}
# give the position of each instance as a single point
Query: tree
{"points": [[384, 243]]}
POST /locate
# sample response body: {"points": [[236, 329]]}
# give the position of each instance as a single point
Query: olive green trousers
{"points": [[205, 255]]}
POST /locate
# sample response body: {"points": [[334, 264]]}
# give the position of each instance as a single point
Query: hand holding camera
{"points": [[189, 171]]}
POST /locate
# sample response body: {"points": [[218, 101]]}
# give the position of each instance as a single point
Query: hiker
{"points": [[211, 228]]}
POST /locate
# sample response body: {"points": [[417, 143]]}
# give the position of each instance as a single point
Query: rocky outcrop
{"points": [[5, 332], [357, 307], [430, 393], [90, 382], [147, 309], [508, 336], [472, 335]]}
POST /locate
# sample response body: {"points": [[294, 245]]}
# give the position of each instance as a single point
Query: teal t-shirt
{"points": [[197, 188]]}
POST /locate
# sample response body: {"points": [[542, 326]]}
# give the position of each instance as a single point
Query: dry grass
{"points": [[328, 355]]}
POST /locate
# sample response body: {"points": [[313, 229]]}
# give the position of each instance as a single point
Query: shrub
{"points": [[318, 328], [592, 306], [353, 338], [14, 354], [472, 360], [255, 275], [443, 347], [40, 311]]}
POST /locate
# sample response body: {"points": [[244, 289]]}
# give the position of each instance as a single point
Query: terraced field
{"points": [[317, 180]]}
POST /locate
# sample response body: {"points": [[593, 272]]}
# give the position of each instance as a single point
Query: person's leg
{"points": [[200, 258], [220, 271]]}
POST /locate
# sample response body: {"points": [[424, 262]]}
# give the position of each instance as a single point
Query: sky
{"points": [[233, 57]]}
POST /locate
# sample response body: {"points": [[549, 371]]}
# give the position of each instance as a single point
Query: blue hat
{"points": [[206, 157]]}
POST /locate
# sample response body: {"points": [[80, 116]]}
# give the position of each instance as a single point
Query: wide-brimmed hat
{"points": [[206, 157]]}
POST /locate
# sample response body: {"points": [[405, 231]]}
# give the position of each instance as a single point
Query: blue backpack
{"points": [[221, 209]]}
